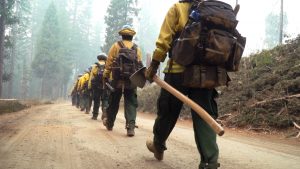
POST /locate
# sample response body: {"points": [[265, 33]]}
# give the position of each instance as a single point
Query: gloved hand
{"points": [[152, 70], [106, 75]]}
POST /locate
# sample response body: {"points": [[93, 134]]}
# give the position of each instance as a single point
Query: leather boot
{"points": [[159, 155], [209, 165], [130, 132]]}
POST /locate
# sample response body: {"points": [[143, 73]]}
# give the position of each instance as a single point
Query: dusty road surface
{"points": [[59, 136]]}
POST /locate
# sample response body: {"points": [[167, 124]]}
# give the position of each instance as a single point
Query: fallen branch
{"points": [[260, 129], [298, 135], [8, 99], [271, 100], [221, 122], [224, 116], [297, 127]]}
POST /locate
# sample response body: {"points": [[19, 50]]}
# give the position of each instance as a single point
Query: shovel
{"points": [[138, 78]]}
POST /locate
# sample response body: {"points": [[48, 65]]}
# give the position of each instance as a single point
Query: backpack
{"points": [[126, 63], [210, 37], [97, 80]]}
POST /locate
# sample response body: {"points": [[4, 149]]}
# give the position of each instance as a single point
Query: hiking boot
{"points": [[108, 128], [209, 165], [94, 118], [130, 132], [104, 121], [159, 155]]}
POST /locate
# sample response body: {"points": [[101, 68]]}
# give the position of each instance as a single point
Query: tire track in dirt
{"points": [[41, 142]]}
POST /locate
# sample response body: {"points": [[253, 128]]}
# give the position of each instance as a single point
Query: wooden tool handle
{"points": [[198, 109]]}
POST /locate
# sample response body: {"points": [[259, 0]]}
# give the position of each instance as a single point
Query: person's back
{"points": [[97, 86], [124, 58], [84, 91]]}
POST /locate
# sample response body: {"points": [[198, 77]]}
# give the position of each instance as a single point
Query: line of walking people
{"points": [[88, 88], [108, 79], [202, 44]]}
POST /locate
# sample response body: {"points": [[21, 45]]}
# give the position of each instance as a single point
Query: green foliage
{"points": [[274, 74], [46, 59], [8, 106], [264, 58], [119, 13], [51, 62]]}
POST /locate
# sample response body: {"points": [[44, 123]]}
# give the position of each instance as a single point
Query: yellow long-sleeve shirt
{"points": [[82, 81], [174, 22], [94, 72], [113, 53]]}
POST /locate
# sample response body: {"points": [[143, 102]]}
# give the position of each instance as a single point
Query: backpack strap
{"points": [[97, 64], [134, 47], [121, 44], [182, 1]]}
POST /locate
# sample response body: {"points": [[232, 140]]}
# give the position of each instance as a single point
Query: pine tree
{"points": [[119, 13], [46, 64], [20, 49], [10, 21], [6, 18]]}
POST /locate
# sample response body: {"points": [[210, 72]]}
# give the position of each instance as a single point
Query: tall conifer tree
{"points": [[119, 13], [46, 64]]}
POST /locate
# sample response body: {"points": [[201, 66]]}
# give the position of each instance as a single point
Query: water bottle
{"points": [[194, 16]]}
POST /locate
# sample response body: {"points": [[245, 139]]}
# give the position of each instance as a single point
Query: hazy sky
{"points": [[251, 17]]}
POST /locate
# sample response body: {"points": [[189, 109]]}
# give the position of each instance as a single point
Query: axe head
{"points": [[138, 78]]}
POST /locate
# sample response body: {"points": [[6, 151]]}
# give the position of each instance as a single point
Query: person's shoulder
{"points": [[179, 5], [114, 45], [182, 3]]}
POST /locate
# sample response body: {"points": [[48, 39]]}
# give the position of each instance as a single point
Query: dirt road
{"points": [[59, 136]]}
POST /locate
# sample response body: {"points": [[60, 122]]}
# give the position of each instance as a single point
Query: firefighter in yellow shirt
{"points": [[74, 93], [124, 58], [97, 87], [169, 106], [84, 92]]}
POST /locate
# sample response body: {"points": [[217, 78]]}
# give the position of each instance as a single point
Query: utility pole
{"points": [[281, 23]]}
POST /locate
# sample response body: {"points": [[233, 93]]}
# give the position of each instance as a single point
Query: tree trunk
{"points": [[24, 81], [43, 88], [2, 35], [12, 65]]}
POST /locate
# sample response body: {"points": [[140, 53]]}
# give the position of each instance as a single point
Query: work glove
{"points": [[105, 77], [152, 70]]}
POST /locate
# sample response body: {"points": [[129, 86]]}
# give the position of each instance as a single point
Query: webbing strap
{"points": [[121, 44]]}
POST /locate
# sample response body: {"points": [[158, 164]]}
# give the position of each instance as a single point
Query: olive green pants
{"points": [[169, 108], [85, 102], [100, 95], [130, 105]]}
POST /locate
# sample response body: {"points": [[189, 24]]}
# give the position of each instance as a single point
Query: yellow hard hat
{"points": [[127, 30]]}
